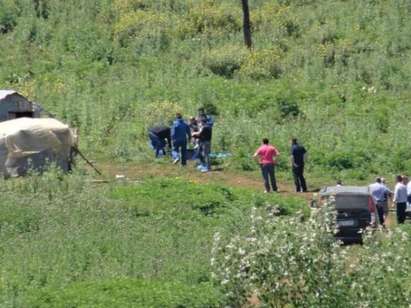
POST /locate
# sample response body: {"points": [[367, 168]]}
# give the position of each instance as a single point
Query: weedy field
{"points": [[334, 73], [68, 242]]}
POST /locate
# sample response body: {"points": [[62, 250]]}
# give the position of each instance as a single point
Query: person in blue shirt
{"points": [[380, 193], [180, 133], [297, 164]]}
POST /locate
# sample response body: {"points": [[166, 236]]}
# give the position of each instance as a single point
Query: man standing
{"points": [[180, 132], [400, 199], [160, 136], [266, 154], [379, 192], [202, 115], [204, 145], [297, 164], [387, 196], [409, 192]]}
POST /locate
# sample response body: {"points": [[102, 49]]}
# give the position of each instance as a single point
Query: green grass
{"points": [[127, 293], [335, 73], [67, 242]]}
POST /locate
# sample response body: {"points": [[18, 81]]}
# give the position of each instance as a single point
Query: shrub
{"points": [[288, 108], [225, 61], [288, 262], [143, 30], [159, 112], [8, 16], [209, 16], [262, 64]]}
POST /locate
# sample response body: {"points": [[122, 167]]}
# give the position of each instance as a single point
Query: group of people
{"points": [[267, 157], [401, 197], [197, 132]]}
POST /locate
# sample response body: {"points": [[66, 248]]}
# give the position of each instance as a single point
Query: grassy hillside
{"points": [[65, 242], [334, 73]]}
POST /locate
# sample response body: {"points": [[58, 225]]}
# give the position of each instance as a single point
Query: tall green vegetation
{"points": [[66, 242], [334, 73]]}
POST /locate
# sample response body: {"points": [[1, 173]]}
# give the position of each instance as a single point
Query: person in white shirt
{"points": [[380, 193], [400, 198]]}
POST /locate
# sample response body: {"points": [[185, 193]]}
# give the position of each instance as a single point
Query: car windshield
{"points": [[351, 201]]}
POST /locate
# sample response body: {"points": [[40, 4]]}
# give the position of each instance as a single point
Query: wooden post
{"points": [[246, 24]]}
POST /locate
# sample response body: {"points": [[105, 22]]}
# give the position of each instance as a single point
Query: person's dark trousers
{"points": [[401, 206], [267, 170], [157, 144], [380, 211], [204, 150], [299, 180], [181, 147]]}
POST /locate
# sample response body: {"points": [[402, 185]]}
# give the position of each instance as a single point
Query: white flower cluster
{"points": [[289, 261]]}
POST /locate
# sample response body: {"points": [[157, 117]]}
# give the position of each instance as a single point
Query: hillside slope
{"points": [[334, 73]]}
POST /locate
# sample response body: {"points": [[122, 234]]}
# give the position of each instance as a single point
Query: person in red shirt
{"points": [[267, 154]]}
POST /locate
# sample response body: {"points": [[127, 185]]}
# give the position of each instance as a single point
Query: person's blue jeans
{"points": [[268, 173], [180, 147], [157, 144]]}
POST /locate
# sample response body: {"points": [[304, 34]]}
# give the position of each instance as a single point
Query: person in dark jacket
{"points": [[160, 136], [203, 116], [297, 164], [180, 132], [204, 145]]}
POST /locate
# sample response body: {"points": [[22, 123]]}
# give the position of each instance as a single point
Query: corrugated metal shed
{"points": [[5, 93], [14, 105]]}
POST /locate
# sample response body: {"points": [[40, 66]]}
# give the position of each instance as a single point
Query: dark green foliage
{"points": [[8, 16], [225, 61], [127, 293], [288, 108]]}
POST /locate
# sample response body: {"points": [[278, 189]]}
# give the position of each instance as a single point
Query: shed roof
{"points": [[5, 93], [357, 190]]}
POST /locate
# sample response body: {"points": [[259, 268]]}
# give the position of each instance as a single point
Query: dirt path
{"points": [[251, 180]]}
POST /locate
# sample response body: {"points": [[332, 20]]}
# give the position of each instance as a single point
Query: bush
{"points": [[225, 61], [209, 16], [287, 262], [160, 112], [288, 108], [143, 30], [8, 16], [262, 64]]}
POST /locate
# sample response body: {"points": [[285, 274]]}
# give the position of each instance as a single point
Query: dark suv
{"points": [[355, 209]]}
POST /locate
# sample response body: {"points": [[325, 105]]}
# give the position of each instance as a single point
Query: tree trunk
{"points": [[246, 24]]}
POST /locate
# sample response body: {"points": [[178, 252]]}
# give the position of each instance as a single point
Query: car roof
{"points": [[349, 190]]}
